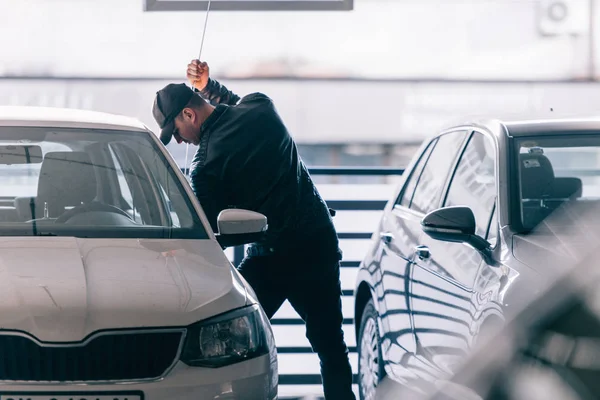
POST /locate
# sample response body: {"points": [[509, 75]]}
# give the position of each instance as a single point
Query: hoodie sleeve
{"points": [[216, 93]]}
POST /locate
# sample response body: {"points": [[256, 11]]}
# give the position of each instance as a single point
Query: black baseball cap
{"points": [[169, 102]]}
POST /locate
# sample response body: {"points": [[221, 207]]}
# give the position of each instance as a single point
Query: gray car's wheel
{"points": [[370, 361]]}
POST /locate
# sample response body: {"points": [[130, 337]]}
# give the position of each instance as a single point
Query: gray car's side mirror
{"points": [[238, 227], [453, 224]]}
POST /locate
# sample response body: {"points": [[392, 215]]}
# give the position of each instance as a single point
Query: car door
{"points": [[400, 233], [396, 239], [444, 301]]}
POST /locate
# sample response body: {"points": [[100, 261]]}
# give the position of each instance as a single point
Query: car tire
{"points": [[370, 360]]}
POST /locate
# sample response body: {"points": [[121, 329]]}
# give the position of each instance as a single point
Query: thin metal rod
{"points": [[204, 31], [187, 146]]}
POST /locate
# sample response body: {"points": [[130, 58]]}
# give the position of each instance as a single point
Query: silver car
{"points": [[453, 254], [112, 282]]}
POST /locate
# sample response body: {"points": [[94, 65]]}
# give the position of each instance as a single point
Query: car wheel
{"points": [[370, 361]]}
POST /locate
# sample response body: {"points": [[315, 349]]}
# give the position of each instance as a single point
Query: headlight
{"points": [[227, 339]]}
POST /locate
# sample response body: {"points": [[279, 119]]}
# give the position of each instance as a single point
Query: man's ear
{"points": [[188, 114]]}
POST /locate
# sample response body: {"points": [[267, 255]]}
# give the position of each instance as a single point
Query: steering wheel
{"points": [[93, 206]]}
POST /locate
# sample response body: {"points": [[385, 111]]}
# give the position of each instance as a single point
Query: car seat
{"points": [[67, 179], [541, 191]]}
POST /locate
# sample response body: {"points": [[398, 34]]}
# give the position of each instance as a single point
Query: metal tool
{"points": [[204, 30], [187, 147]]}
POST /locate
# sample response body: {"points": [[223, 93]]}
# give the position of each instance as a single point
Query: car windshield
{"points": [[90, 183], [555, 170]]}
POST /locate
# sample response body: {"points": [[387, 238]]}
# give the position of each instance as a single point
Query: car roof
{"points": [[67, 118], [552, 126], [535, 126]]}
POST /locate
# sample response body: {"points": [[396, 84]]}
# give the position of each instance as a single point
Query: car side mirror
{"points": [[454, 224], [238, 227]]}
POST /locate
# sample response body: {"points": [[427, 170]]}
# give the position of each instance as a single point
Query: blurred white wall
{"points": [[411, 39], [331, 111], [482, 39]]}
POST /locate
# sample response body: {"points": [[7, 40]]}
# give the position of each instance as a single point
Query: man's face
{"points": [[187, 130]]}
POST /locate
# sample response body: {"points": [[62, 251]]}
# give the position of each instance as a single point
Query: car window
{"points": [[175, 201], [552, 172], [409, 187], [124, 190], [91, 183], [431, 182], [22, 179], [474, 181]]}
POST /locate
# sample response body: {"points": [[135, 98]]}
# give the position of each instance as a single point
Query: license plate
{"points": [[71, 396]]}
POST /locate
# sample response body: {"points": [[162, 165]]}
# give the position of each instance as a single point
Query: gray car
{"points": [[454, 252]]}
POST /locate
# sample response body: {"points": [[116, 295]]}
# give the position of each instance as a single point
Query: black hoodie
{"points": [[247, 159]]}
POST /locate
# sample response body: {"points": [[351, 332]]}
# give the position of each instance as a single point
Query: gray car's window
{"points": [[430, 184], [411, 184], [555, 171], [474, 181]]}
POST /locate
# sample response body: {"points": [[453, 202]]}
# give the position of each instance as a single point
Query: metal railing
{"points": [[293, 347], [344, 204]]}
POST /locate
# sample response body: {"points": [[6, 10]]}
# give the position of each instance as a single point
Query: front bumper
{"points": [[254, 379]]}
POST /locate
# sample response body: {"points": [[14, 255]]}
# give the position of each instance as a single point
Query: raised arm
{"points": [[198, 74], [217, 93]]}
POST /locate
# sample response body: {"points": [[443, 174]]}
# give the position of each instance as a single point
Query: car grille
{"points": [[106, 357]]}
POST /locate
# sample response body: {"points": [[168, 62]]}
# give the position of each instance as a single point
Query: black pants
{"points": [[312, 286]]}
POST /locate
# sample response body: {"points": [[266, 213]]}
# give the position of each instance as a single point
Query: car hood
{"points": [[61, 289]]}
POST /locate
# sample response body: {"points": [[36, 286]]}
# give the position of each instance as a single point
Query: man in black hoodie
{"points": [[247, 159]]}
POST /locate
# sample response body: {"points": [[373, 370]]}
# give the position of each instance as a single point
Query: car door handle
{"points": [[386, 237], [422, 252]]}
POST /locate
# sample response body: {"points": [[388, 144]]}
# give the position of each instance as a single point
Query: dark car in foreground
{"points": [[454, 253], [549, 350]]}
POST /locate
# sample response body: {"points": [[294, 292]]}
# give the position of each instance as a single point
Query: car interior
{"points": [[541, 191], [82, 187]]}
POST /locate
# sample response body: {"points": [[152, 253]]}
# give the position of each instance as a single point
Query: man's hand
{"points": [[197, 74]]}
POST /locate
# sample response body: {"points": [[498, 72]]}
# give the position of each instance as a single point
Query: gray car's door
{"points": [[400, 234], [445, 299]]}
